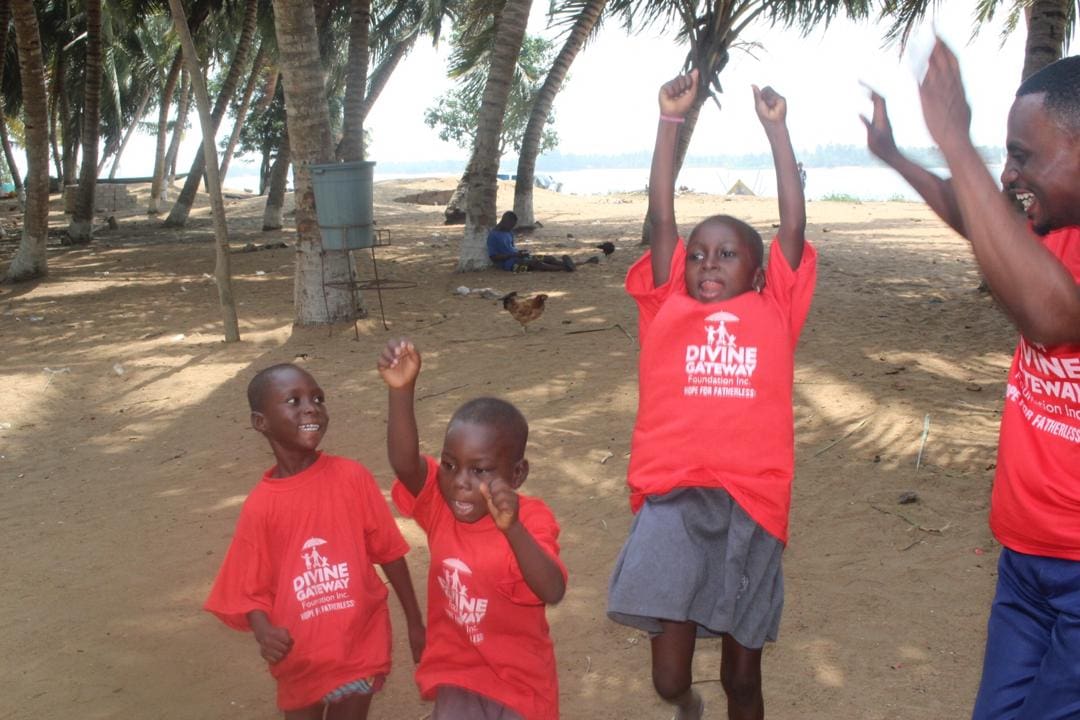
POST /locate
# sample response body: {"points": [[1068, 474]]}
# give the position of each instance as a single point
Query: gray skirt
{"points": [[694, 554]]}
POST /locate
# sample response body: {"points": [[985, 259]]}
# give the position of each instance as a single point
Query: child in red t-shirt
{"points": [[712, 455], [299, 572], [494, 555]]}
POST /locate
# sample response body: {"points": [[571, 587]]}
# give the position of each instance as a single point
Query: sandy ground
{"points": [[125, 452]]}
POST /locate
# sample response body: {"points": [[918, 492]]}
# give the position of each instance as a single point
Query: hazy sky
{"points": [[609, 103]]}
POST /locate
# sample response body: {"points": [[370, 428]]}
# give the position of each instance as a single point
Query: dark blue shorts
{"points": [[1032, 666]]}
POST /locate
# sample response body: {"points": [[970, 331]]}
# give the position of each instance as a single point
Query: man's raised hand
{"points": [[945, 108]]}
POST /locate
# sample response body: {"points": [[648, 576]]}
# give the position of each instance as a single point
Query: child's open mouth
{"points": [[310, 428]]}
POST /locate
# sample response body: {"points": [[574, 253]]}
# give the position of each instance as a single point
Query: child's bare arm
{"points": [[541, 572], [274, 642], [676, 99], [397, 572], [399, 366], [937, 192], [772, 112]]}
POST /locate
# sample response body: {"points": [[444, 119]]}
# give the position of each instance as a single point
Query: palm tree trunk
{"points": [[530, 142], [389, 62], [1047, 21], [29, 260], [139, 112], [70, 128], [163, 134], [56, 91], [178, 215], [275, 197], [222, 274], [81, 229], [483, 183], [351, 147], [316, 300], [9, 156], [182, 109], [257, 66]]}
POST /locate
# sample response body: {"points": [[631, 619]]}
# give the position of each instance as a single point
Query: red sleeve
{"points": [[540, 522], [245, 580], [649, 298], [420, 507], [793, 289], [381, 534]]}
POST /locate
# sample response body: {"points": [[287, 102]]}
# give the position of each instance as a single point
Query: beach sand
{"points": [[126, 451]]}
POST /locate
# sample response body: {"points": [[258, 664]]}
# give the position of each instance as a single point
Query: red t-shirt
{"points": [[487, 631], [303, 553], [715, 384], [1035, 505]]}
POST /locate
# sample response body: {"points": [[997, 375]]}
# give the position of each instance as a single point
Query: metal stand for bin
{"points": [[381, 239]]}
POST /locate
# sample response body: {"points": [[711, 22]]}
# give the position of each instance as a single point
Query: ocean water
{"points": [[862, 183]]}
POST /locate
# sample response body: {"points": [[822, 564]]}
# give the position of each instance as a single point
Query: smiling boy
{"points": [[300, 572]]}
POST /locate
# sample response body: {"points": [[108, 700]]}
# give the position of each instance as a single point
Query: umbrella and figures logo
{"points": [[720, 367], [324, 585], [466, 610]]}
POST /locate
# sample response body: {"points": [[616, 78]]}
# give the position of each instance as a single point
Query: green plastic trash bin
{"points": [[343, 204]]}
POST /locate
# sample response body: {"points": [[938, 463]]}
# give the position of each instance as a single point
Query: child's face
{"points": [[293, 414], [474, 453], [719, 264], [1041, 167]]}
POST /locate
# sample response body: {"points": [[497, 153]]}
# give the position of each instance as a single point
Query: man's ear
{"points": [[258, 421], [521, 471]]}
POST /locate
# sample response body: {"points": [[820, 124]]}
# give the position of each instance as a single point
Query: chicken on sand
{"points": [[524, 310]]}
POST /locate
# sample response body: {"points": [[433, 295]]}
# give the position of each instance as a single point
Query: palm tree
{"points": [[351, 146], [9, 156], [81, 229], [275, 194], [164, 104], [182, 207], [1050, 24], [29, 261], [586, 16], [712, 27], [320, 293], [257, 67], [222, 274], [484, 166]]}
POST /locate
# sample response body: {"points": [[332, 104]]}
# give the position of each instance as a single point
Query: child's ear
{"points": [[258, 421], [759, 279], [521, 471]]}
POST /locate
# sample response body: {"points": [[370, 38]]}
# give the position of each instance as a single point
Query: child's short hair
{"points": [[257, 387], [748, 234], [497, 413], [1061, 82]]}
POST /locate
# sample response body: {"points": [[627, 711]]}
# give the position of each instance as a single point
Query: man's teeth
{"points": [[1026, 199], [309, 428]]}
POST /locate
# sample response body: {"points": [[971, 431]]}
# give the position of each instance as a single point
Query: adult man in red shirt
{"points": [[1030, 670]]}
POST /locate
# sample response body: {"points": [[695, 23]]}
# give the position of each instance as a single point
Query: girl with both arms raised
{"points": [[712, 454]]}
